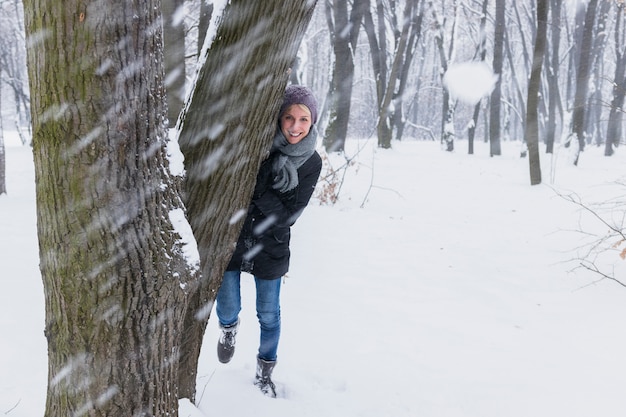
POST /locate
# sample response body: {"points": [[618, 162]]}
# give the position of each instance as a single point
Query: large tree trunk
{"points": [[532, 110], [112, 262], [225, 133]]}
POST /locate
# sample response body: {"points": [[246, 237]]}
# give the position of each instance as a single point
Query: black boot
{"points": [[264, 377], [226, 342]]}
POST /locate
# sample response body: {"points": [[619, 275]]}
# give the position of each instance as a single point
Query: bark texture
{"points": [[112, 264]]}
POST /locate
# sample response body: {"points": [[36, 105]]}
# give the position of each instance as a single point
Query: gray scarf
{"points": [[289, 158]]}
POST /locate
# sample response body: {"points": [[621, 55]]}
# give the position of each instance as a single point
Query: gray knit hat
{"points": [[298, 94]]}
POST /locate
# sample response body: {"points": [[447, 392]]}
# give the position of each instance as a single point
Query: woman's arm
{"points": [[287, 207]]}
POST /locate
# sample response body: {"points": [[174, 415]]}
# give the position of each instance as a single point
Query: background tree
{"points": [[552, 74], [496, 95], [532, 113], [3, 182], [614, 129], [446, 57], [112, 262], [226, 130], [481, 54], [391, 59], [13, 67], [582, 79], [344, 25]]}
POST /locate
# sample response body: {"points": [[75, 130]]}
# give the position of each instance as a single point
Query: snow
{"points": [[188, 242], [450, 293], [469, 81]]}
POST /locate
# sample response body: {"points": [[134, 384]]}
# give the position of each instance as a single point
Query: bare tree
{"points": [[3, 170], [532, 113], [343, 25], [391, 58], [582, 78], [496, 95], [113, 262], [552, 73], [481, 53], [614, 129], [13, 64]]}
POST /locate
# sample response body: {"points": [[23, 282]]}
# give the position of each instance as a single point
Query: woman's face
{"points": [[295, 123]]}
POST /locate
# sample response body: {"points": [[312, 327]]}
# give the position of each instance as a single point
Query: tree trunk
{"points": [[496, 95], [174, 44], [206, 12], [448, 105], [582, 78], [614, 128], [343, 44], [226, 130], [3, 166], [112, 262], [554, 95], [482, 53], [532, 111]]}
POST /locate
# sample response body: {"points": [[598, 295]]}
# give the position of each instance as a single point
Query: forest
{"points": [[377, 67], [98, 89]]}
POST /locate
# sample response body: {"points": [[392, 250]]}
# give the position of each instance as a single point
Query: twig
{"points": [[13, 408]]}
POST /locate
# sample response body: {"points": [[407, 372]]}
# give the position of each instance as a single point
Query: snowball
{"points": [[469, 81]]}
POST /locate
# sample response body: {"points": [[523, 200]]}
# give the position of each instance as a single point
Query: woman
{"points": [[285, 183]]}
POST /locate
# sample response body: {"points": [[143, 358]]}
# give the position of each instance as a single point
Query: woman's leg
{"points": [[229, 299], [268, 313]]}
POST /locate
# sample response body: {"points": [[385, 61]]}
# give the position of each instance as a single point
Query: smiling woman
{"points": [[295, 123], [284, 186]]}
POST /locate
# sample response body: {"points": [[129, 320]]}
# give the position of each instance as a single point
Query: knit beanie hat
{"points": [[298, 94]]}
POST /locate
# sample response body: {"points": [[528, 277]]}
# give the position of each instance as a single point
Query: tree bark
{"points": [[174, 44], [113, 264], [226, 130], [532, 112]]}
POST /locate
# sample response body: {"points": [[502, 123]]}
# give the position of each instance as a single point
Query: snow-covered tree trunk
{"points": [[108, 212], [225, 132]]}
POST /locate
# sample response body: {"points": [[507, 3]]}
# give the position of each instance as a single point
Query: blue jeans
{"points": [[267, 309]]}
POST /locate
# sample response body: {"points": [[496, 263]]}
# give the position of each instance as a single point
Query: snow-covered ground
{"points": [[448, 294]]}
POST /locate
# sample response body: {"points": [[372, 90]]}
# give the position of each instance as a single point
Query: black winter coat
{"points": [[263, 244]]}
